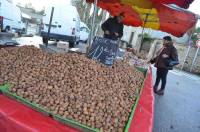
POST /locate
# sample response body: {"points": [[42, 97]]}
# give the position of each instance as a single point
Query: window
{"points": [[54, 26]]}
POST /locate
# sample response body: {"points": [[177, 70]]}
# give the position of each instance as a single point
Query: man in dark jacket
{"points": [[166, 58], [113, 27]]}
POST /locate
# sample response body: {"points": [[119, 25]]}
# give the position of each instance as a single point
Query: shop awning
{"points": [[180, 3]]}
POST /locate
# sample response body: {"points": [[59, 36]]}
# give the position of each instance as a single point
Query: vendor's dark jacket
{"points": [[161, 62], [113, 26]]}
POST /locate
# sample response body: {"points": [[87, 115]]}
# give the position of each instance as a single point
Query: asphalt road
{"points": [[179, 109], [35, 40]]}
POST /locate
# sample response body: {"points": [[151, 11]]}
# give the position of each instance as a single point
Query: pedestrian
{"points": [[165, 59], [113, 27]]}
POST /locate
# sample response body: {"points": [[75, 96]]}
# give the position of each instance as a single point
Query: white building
{"points": [[131, 35]]}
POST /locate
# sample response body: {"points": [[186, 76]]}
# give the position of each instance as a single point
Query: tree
{"points": [[84, 13], [194, 36], [146, 37], [29, 6], [79, 4], [41, 12]]}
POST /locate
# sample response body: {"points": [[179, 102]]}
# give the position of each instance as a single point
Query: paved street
{"points": [[179, 109], [35, 40]]}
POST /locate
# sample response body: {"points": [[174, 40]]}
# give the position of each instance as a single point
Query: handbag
{"points": [[173, 62]]}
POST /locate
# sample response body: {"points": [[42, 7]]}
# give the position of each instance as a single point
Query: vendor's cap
{"points": [[168, 38]]}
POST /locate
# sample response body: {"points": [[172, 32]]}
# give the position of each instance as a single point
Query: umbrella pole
{"points": [[93, 24], [145, 21]]}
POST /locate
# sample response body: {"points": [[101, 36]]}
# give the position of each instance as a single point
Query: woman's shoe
{"points": [[155, 88], [160, 92]]}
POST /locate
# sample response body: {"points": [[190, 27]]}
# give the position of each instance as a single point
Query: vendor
{"points": [[113, 27]]}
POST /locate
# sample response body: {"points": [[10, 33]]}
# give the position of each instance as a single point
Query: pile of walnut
{"points": [[72, 85]]}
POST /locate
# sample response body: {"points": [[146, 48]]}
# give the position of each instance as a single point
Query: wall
{"points": [[182, 50], [127, 35], [153, 33]]}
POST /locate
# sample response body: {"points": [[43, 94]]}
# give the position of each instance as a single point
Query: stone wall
{"points": [[182, 50]]}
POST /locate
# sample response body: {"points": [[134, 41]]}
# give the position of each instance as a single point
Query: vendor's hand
{"points": [[107, 32], [165, 56], [116, 34]]}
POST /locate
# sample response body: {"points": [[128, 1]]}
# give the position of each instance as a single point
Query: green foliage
{"points": [[146, 37], [84, 13], [33, 10], [194, 36], [42, 12], [79, 6]]}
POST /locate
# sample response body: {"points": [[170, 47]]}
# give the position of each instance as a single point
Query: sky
{"points": [[194, 7], [39, 4]]}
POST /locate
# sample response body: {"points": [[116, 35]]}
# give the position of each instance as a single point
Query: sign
{"points": [[198, 43], [104, 50]]}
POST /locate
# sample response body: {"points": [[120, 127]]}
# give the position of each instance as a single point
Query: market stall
{"points": [[47, 83], [43, 91]]}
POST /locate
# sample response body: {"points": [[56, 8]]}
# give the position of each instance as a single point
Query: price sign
{"points": [[104, 50]]}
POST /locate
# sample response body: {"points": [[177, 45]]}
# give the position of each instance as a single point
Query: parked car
{"points": [[65, 24], [10, 17], [84, 32]]}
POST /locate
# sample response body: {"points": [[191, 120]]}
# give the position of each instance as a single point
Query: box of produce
{"points": [[72, 88]]}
